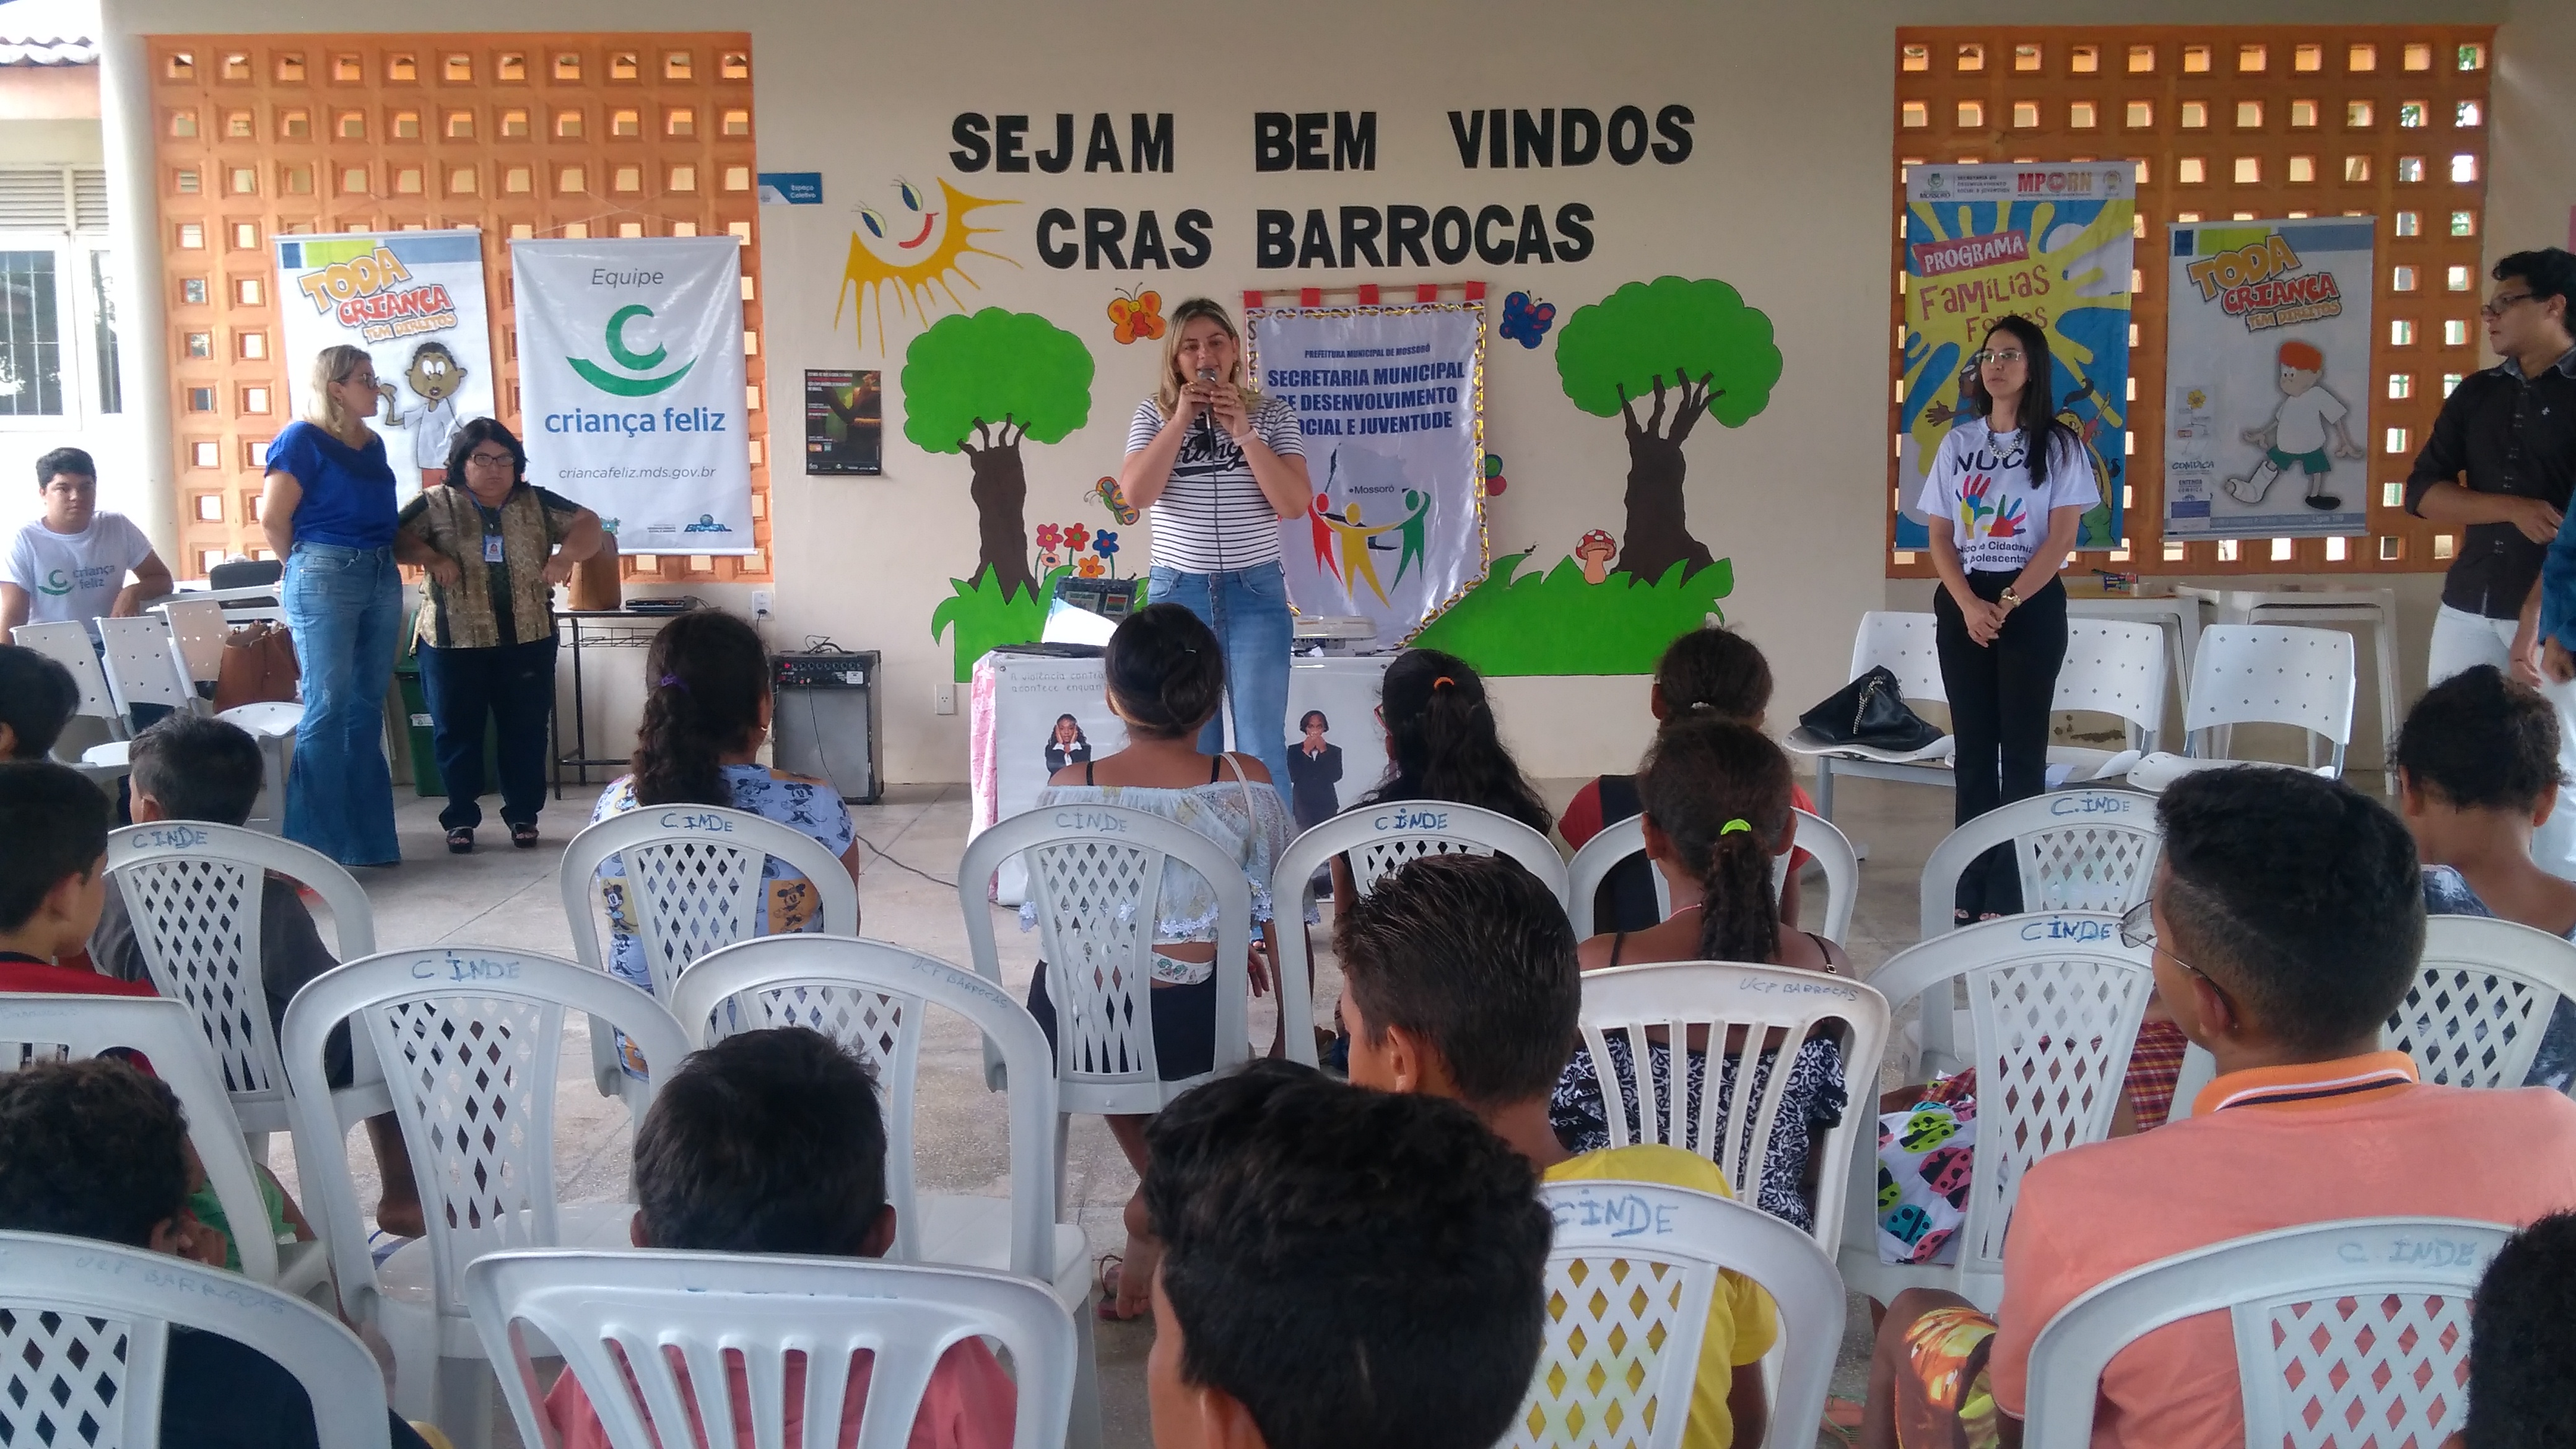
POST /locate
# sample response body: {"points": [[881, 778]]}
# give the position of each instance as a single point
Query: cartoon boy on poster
{"points": [[2297, 432]]}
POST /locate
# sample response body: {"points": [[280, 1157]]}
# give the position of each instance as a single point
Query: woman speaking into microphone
{"points": [[1221, 466]]}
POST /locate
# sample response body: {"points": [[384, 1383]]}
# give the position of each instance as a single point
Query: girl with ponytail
{"points": [[1166, 675], [1717, 811], [1441, 744], [706, 715]]}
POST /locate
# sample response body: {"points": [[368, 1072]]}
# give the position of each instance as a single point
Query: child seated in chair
{"points": [[1460, 982], [37, 698], [773, 1142], [1166, 678], [189, 767], [1342, 1269], [1716, 796], [1708, 673], [2477, 775], [2521, 1338], [97, 1149], [2286, 924], [1442, 744], [707, 710]]}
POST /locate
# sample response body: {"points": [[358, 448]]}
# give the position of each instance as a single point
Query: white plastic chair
{"points": [[1377, 839], [2261, 674], [692, 883], [1621, 839], [198, 629], [2359, 1326], [1776, 1008], [2474, 1018], [93, 1325], [471, 1038], [2054, 1005], [51, 1026], [1642, 1347], [872, 998], [619, 1318], [2079, 850], [145, 665], [67, 644], [193, 892], [1096, 877], [2111, 667]]}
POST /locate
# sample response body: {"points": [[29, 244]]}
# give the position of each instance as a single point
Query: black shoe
{"points": [[460, 841], [524, 835], [2324, 502]]}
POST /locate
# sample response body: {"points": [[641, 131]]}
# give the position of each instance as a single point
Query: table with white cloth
{"points": [[1019, 695]]}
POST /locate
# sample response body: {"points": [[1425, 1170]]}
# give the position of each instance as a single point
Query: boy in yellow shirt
{"points": [[1460, 982]]}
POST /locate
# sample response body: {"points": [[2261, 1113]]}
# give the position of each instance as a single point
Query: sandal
{"points": [[1113, 1268], [524, 836], [460, 841]]}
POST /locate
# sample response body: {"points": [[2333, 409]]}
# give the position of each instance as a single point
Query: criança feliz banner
{"points": [[631, 386]]}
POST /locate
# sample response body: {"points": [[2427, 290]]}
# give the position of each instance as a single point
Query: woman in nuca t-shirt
{"points": [[2004, 498]]}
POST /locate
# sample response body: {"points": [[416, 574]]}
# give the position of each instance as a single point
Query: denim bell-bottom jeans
{"points": [[345, 607], [1248, 609]]}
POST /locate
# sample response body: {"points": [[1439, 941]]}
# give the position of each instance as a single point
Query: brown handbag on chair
{"points": [[259, 667]]}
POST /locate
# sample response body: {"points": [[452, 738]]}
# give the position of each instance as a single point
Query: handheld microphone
{"points": [[1207, 424]]}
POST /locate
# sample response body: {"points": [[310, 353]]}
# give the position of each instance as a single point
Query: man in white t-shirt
{"points": [[2297, 432], [72, 561]]}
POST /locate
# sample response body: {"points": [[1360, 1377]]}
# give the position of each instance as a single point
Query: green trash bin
{"points": [[425, 779]]}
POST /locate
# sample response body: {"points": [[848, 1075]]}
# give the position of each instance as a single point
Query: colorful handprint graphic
{"points": [[2008, 521], [1973, 507]]}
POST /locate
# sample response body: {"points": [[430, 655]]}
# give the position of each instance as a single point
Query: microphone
{"points": [[1207, 424]]}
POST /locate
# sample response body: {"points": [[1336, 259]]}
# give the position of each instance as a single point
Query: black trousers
{"points": [[1999, 699], [515, 685]]}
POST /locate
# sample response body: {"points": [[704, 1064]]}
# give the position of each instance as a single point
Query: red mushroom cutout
{"points": [[1596, 550]]}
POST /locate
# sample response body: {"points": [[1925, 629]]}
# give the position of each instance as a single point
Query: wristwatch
{"points": [[2008, 598]]}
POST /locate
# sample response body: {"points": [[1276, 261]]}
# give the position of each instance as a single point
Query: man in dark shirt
{"points": [[96, 1149], [2502, 460]]}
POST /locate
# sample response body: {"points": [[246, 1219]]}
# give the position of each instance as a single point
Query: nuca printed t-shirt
{"points": [[1980, 482]]}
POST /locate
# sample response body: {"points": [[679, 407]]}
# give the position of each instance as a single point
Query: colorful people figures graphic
{"points": [[2297, 432]]}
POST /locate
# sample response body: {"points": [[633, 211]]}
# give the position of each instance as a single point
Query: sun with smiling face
{"points": [[927, 256]]}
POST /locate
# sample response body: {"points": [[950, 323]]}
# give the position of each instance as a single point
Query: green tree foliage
{"points": [[980, 383], [1692, 349]]}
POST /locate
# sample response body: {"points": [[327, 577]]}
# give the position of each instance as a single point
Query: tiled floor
{"points": [[504, 897]]}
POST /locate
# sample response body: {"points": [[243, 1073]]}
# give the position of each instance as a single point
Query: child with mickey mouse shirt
{"points": [[2003, 503]]}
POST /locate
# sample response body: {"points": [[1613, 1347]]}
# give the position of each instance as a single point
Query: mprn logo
{"points": [[629, 359], [706, 524]]}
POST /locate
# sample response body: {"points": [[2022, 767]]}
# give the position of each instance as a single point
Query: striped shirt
{"points": [[1212, 517]]}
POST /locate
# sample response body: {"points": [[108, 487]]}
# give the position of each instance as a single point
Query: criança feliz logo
{"points": [[641, 363]]}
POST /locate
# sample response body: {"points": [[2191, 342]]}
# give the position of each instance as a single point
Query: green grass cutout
{"points": [[1555, 623], [987, 617]]}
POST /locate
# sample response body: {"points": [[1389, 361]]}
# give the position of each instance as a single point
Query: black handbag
{"points": [[1870, 711]]}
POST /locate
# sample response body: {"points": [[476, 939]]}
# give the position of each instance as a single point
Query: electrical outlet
{"points": [[944, 698], [760, 603]]}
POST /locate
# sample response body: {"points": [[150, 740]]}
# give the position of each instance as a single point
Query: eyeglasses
{"points": [[489, 460], [2502, 301], [2138, 929], [2006, 355]]}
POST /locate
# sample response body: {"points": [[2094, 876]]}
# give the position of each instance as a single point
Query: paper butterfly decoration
{"points": [[1137, 318], [1526, 319], [1107, 491]]}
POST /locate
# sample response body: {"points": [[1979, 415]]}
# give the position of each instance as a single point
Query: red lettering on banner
{"points": [[1937, 259]]}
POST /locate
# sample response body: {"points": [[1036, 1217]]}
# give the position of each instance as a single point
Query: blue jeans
{"points": [[345, 606], [1248, 609], [515, 685]]}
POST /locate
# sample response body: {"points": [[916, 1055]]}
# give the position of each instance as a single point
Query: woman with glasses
{"points": [[495, 546], [2004, 496]]}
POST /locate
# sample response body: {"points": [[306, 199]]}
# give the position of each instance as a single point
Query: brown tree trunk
{"points": [[1658, 533], [1000, 491]]}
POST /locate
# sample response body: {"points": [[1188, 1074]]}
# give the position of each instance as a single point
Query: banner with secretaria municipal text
{"points": [[414, 301], [2267, 378], [631, 386], [1390, 401], [2052, 243]]}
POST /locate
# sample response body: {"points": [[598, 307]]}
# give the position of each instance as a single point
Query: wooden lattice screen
{"points": [[2240, 122], [520, 135]]}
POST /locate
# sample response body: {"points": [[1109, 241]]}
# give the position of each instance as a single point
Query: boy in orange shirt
{"points": [[1459, 981], [2287, 922]]}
